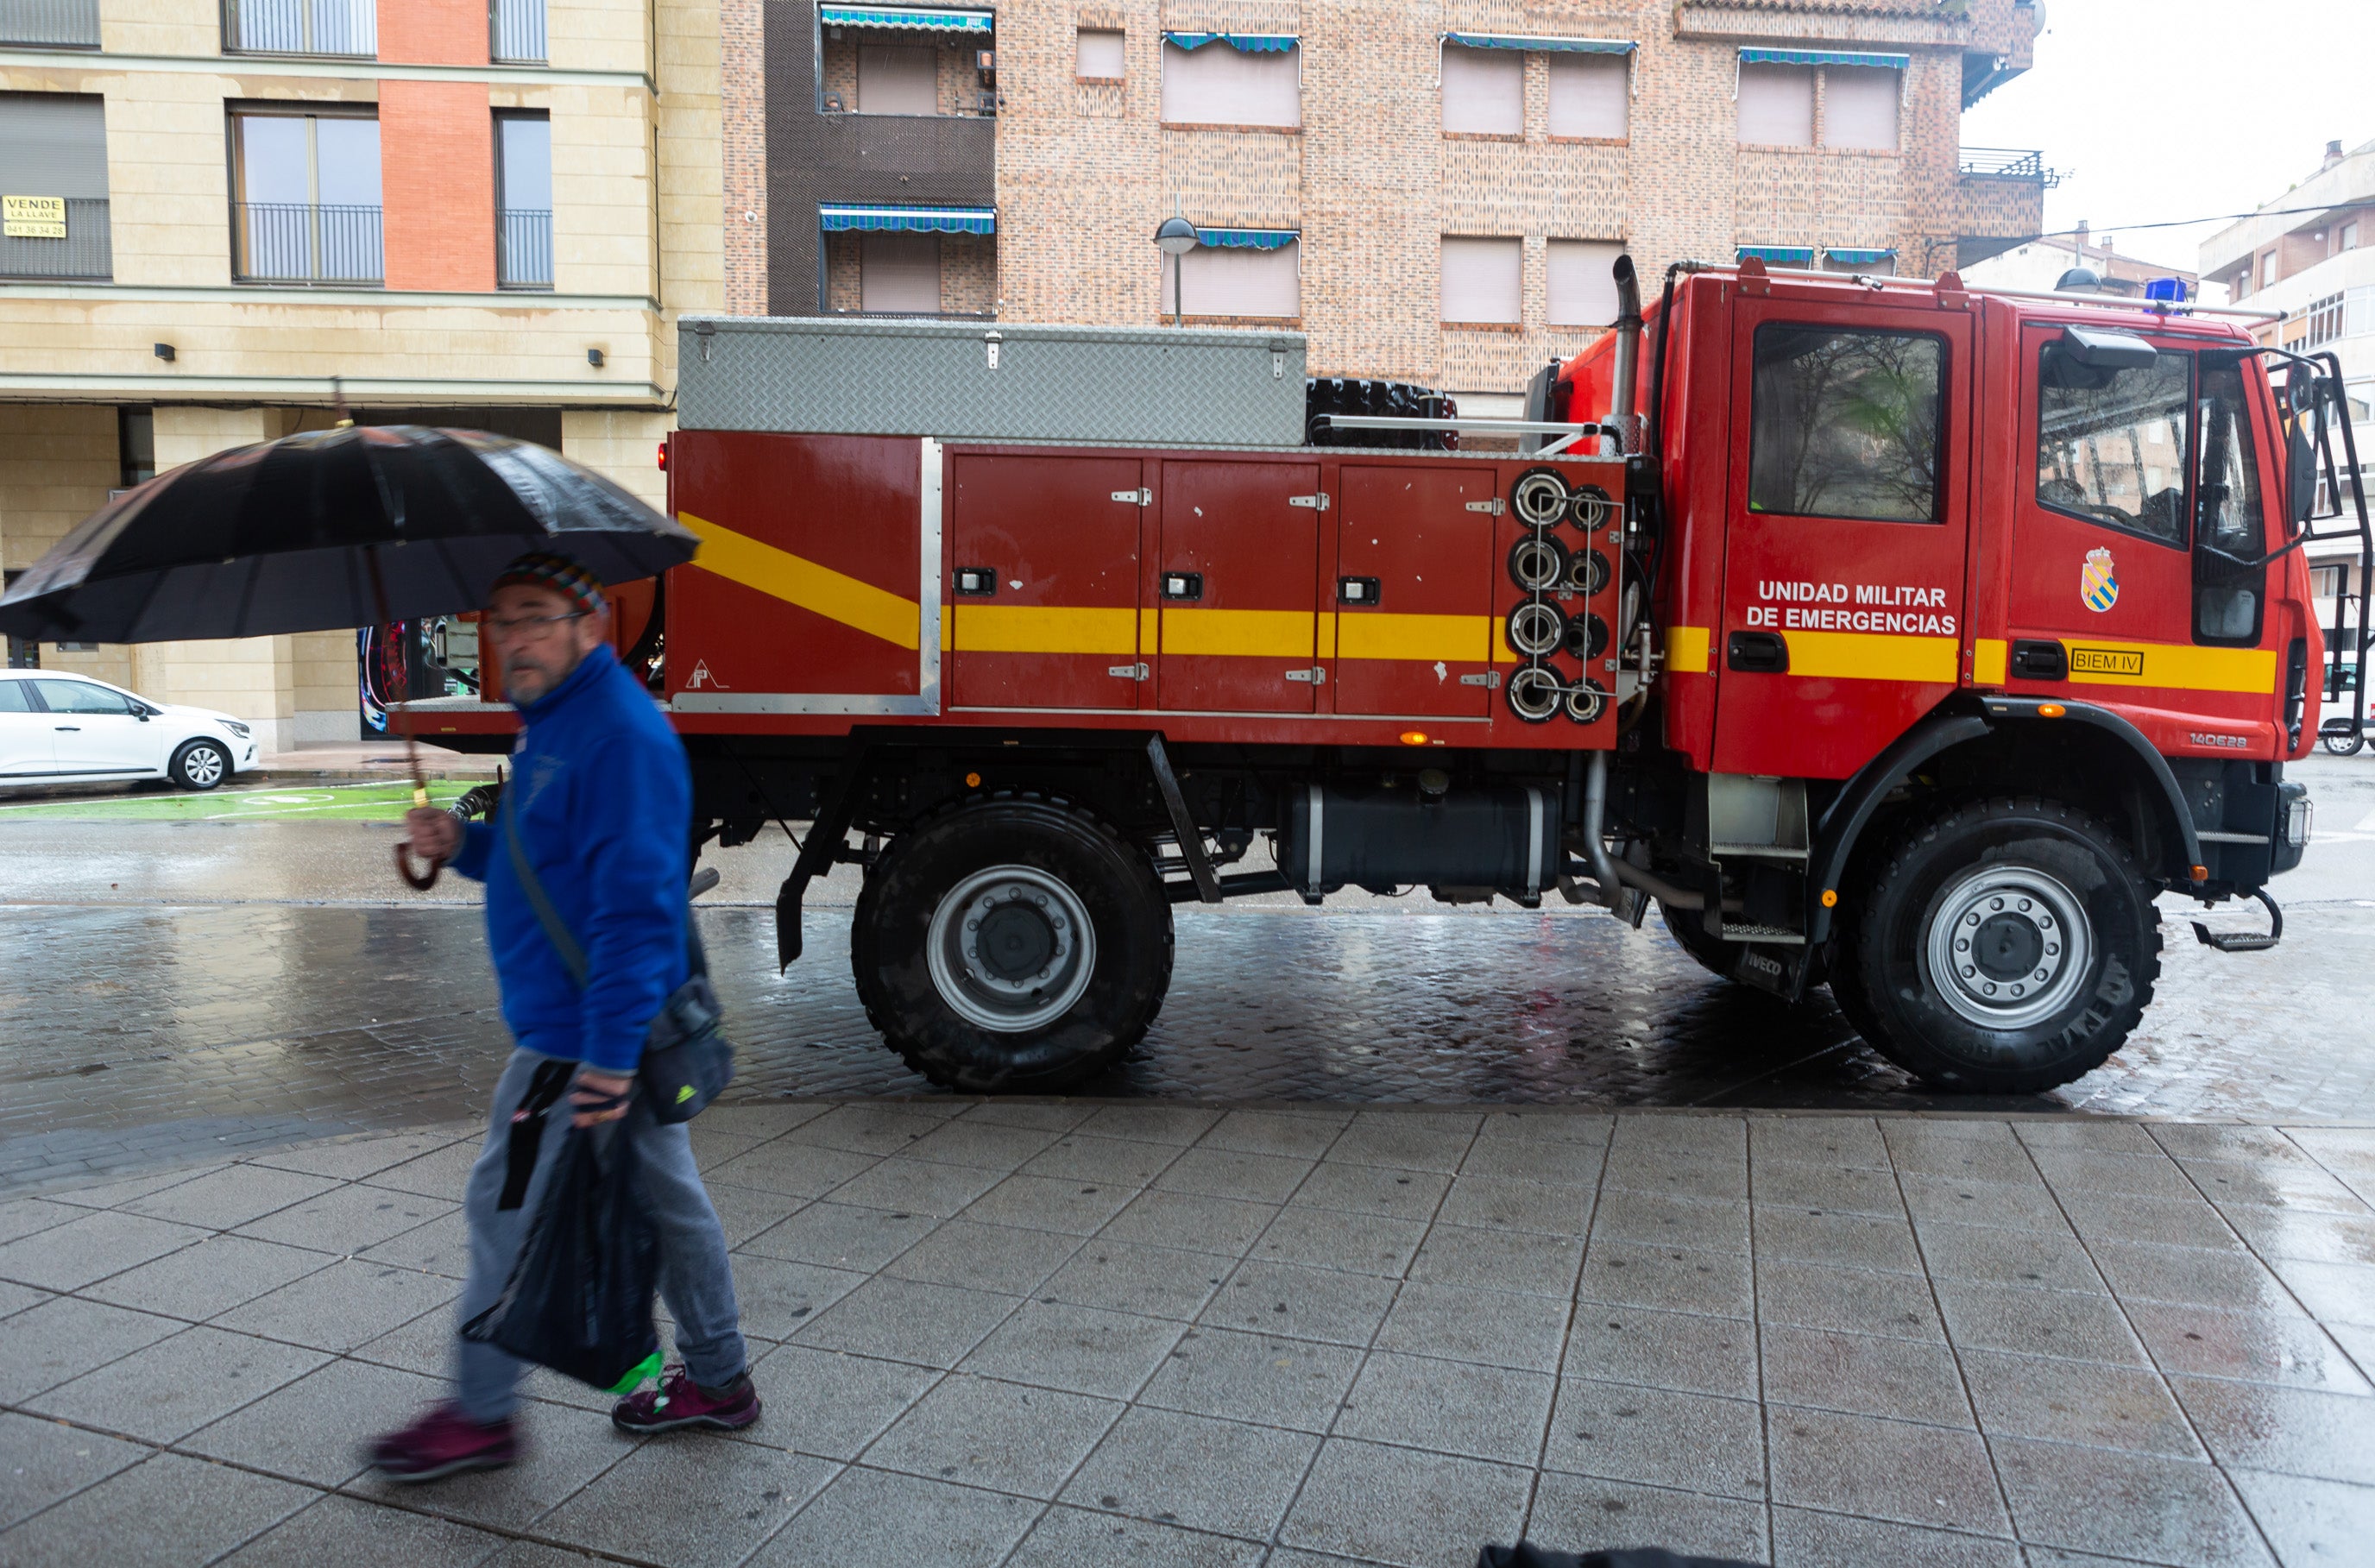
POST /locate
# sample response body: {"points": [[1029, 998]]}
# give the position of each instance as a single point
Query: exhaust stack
{"points": [[1625, 395]]}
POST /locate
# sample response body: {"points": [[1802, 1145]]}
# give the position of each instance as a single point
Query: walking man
{"points": [[601, 798]]}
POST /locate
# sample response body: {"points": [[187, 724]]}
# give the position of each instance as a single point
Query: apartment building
{"points": [[218, 212], [2309, 254], [1430, 193], [2040, 264]]}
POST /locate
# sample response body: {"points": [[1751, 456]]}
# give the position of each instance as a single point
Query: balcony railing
{"points": [[348, 28], [2006, 163], [523, 249], [50, 24], [515, 32], [87, 250], [300, 243]]}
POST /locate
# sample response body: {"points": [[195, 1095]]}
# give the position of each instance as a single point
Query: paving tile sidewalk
{"points": [[1042, 1334]]}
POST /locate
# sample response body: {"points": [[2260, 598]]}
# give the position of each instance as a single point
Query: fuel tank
{"points": [[1456, 841]]}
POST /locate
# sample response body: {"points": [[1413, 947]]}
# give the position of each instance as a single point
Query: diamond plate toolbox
{"points": [[979, 381]]}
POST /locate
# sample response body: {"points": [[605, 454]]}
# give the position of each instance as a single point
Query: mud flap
{"points": [[1781, 972]]}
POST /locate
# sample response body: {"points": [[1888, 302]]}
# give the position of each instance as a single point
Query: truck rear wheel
{"points": [[1013, 945], [2002, 947]]}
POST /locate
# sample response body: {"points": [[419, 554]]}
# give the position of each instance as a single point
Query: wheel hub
{"points": [[2009, 946], [1010, 949]]}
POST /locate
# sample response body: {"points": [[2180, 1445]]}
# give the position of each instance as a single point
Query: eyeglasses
{"points": [[526, 627]]}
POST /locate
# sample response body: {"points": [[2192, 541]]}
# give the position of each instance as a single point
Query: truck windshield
{"points": [[1846, 424], [2111, 445]]}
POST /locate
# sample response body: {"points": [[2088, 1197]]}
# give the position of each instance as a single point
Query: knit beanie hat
{"points": [[549, 569]]}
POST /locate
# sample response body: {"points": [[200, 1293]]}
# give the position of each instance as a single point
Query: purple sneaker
{"points": [[443, 1442], [680, 1401]]}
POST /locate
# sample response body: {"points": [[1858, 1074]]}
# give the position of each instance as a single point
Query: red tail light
{"points": [[663, 457]]}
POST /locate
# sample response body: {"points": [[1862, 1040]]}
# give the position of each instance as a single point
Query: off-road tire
{"points": [[1884, 977], [1114, 881], [180, 770]]}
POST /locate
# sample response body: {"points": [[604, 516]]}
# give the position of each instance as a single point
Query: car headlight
{"points": [[236, 728]]}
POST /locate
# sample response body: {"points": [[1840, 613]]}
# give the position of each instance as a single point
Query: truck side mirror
{"points": [[2302, 390], [2100, 350]]}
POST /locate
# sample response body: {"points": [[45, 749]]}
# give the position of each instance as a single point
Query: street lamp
{"points": [[1175, 239]]}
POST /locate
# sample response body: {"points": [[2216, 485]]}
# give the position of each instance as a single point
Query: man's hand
{"points": [[591, 1087], [435, 834]]}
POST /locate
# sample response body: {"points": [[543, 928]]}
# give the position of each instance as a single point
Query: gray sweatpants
{"points": [[696, 1280]]}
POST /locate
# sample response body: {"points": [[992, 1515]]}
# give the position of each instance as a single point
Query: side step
{"points": [[2246, 941]]}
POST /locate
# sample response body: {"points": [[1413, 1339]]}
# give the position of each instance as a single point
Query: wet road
{"points": [[176, 984]]}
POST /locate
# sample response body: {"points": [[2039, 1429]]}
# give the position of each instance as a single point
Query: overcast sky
{"points": [[2184, 108]]}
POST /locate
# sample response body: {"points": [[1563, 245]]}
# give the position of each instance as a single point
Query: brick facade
{"points": [[437, 184], [743, 37]]}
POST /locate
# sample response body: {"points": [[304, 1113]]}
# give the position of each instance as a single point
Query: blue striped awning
{"points": [[913, 219], [1752, 57], [1247, 239], [1538, 41], [1779, 255], [1243, 42], [1858, 258], [916, 19]]}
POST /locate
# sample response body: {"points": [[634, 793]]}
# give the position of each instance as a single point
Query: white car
{"points": [[60, 728]]}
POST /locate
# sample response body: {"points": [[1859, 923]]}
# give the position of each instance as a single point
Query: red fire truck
{"points": [[1905, 638]]}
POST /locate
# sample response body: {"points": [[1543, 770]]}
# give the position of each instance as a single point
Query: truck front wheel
{"points": [[1011, 946], [2002, 947]]}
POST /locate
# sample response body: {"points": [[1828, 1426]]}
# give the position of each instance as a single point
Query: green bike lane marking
{"points": [[323, 803]]}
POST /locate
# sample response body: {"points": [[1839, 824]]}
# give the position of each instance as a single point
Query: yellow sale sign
{"points": [[33, 218]]}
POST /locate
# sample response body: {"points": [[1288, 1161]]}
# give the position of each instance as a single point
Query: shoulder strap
{"points": [[547, 916]]}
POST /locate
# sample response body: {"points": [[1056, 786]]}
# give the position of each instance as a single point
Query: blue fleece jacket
{"points": [[603, 801]]}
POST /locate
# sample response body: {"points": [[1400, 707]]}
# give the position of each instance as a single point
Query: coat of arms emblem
{"points": [[2097, 586]]}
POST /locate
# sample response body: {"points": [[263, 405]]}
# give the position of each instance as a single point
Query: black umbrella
{"points": [[361, 524]]}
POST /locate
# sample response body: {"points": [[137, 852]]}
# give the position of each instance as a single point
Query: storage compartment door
{"points": [[1041, 593], [1236, 584], [1413, 592]]}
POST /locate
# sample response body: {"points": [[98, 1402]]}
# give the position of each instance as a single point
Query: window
{"points": [[1484, 91], [523, 201], [2226, 509], [1218, 84], [1776, 105], [899, 273], [515, 32], [1582, 284], [82, 697], [306, 197], [1846, 424], [2348, 235], [1483, 280], [300, 27], [136, 446], [2111, 445], [898, 78], [2268, 270], [1860, 107], [53, 168], [1590, 95], [16, 696], [1103, 55], [2327, 582], [1237, 280]]}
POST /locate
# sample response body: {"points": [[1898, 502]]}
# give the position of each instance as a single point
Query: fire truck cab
{"points": [[1886, 635]]}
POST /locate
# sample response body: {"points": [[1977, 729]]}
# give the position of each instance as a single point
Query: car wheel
{"points": [[2002, 947], [2342, 742], [1013, 945], [199, 764]]}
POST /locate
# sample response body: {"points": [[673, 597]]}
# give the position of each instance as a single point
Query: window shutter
{"points": [[1860, 107], [1482, 279], [1238, 281], [1582, 282], [899, 272], [1776, 105], [54, 143], [1483, 90], [897, 80], [1589, 95], [1104, 54], [1217, 85]]}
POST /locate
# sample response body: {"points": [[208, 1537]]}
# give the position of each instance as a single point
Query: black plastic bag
{"points": [[579, 1300]]}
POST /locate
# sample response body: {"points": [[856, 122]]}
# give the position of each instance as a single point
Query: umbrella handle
{"points": [[419, 881]]}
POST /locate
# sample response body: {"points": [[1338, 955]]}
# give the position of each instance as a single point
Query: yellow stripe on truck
{"points": [[1873, 656], [2176, 666], [1031, 629], [1430, 639], [1254, 634], [1686, 650], [821, 590], [1988, 661]]}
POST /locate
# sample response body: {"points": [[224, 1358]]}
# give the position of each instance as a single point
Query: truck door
{"points": [[1236, 585], [1413, 592], [1042, 580], [2141, 492], [1847, 524]]}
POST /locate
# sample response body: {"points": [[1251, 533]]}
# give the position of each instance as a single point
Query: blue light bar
{"points": [[2170, 288]]}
